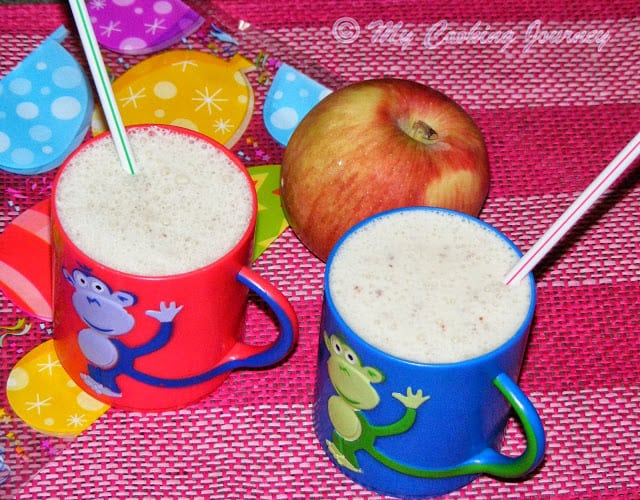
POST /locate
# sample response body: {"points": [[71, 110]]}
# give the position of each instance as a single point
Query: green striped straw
{"points": [[102, 83]]}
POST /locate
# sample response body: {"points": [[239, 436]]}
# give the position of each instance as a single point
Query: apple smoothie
{"points": [[186, 206], [427, 286]]}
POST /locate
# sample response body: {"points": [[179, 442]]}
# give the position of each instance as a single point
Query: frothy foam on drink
{"points": [[427, 287], [187, 205]]}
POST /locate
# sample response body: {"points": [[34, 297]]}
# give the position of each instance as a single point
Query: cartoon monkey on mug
{"points": [[105, 313], [352, 431]]}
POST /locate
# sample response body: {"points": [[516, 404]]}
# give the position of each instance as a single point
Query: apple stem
{"points": [[422, 132]]}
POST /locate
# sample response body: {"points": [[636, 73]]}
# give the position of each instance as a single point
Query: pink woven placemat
{"points": [[554, 113]]}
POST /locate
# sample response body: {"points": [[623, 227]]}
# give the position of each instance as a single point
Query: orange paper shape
{"points": [[189, 89], [42, 395]]}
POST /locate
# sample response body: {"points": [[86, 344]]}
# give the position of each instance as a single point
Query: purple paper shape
{"points": [[138, 27]]}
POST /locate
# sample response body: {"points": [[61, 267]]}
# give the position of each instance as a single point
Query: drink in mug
{"points": [[421, 346], [185, 207], [427, 286], [152, 271]]}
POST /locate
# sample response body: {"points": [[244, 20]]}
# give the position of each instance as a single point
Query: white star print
{"points": [[209, 100], [157, 25], [49, 365], [110, 28], [37, 404], [132, 98], [97, 4], [185, 63], [222, 126], [76, 420]]}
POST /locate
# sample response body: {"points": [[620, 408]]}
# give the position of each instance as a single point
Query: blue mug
{"points": [[406, 428]]}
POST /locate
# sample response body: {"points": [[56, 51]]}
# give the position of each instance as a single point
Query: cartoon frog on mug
{"points": [[355, 392]]}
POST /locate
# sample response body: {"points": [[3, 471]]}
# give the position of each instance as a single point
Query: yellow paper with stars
{"points": [[271, 221], [42, 394], [188, 89]]}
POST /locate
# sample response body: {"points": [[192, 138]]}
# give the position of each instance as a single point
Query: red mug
{"points": [[159, 342]]}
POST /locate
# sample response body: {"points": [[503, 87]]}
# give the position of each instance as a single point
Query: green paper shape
{"points": [[271, 221]]}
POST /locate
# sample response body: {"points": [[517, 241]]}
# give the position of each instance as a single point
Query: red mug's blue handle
{"points": [[248, 356], [244, 355]]}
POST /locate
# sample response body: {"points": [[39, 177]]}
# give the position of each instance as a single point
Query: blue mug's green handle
{"points": [[490, 461], [495, 463]]}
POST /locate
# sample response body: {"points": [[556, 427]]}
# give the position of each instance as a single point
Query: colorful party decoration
{"points": [[291, 96], [20, 328], [138, 27], [42, 395], [25, 261], [190, 89], [271, 221], [45, 109]]}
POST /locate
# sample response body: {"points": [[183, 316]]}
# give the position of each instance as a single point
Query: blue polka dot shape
{"points": [[291, 96], [45, 109]]}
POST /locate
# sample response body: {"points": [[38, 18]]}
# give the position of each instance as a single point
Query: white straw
{"points": [[575, 211], [103, 85]]}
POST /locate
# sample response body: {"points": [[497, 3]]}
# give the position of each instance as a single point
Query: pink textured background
{"points": [[553, 116]]}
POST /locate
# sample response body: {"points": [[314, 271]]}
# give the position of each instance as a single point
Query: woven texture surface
{"points": [[553, 112]]}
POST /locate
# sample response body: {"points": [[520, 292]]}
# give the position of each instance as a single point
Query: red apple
{"points": [[377, 145]]}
